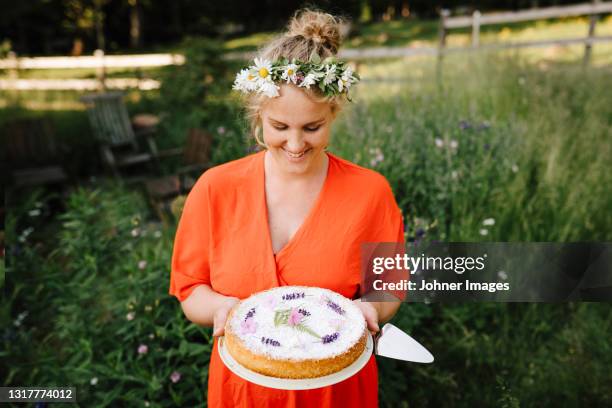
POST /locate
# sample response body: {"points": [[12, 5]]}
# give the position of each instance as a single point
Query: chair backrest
{"points": [[109, 118], [197, 147], [29, 142]]}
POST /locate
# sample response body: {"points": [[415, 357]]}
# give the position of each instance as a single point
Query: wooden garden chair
{"points": [[195, 160], [113, 131]]}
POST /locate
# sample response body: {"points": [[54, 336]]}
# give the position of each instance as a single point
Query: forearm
{"points": [[201, 305]]}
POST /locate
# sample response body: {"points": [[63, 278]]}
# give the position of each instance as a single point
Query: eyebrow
{"points": [[307, 124]]}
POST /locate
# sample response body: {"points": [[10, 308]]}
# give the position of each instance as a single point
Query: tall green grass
{"points": [[491, 137]]}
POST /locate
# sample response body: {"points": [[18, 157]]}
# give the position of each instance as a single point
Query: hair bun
{"points": [[322, 28]]}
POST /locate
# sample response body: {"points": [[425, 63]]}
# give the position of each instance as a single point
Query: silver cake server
{"points": [[391, 342]]}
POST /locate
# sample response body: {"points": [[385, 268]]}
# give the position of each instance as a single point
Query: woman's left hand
{"points": [[370, 313]]}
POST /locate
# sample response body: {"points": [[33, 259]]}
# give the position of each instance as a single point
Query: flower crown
{"points": [[332, 76]]}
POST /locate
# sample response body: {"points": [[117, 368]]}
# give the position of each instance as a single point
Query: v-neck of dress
{"points": [[307, 220]]}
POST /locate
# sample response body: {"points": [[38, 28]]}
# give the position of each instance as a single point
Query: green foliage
{"points": [[98, 315], [520, 144]]}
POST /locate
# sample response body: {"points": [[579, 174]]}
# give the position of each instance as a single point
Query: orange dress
{"points": [[223, 240]]}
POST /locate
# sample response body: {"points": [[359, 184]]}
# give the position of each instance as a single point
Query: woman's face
{"points": [[296, 130]]}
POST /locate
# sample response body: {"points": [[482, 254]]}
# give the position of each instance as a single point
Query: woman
{"points": [[291, 214]]}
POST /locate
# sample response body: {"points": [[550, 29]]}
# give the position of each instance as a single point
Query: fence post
{"points": [[13, 76], [100, 69], [475, 29], [588, 46], [444, 14]]}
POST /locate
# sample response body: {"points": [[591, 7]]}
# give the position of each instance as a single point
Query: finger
{"points": [[218, 326]]}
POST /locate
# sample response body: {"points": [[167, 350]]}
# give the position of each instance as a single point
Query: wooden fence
{"points": [[101, 62]]}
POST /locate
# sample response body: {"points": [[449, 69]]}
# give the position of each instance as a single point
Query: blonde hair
{"points": [[309, 31]]}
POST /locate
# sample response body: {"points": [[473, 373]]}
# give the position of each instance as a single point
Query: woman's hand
{"points": [[220, 315], [370, 313]]}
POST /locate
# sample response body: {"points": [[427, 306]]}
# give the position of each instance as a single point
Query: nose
{"points": [[295, 142]]}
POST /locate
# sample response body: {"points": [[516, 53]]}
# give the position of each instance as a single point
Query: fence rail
{"points": [[476, 20], [101, 62]]}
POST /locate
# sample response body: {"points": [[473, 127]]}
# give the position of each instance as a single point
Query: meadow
{"points": [[524, 141]]}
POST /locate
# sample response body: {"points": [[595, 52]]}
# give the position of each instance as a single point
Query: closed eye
{"points": [[308, 129], [280, 127]]}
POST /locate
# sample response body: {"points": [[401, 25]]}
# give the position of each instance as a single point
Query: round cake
{"points": [[295, 332]]}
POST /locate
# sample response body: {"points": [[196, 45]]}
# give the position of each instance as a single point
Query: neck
{"points": [[315, 173]]}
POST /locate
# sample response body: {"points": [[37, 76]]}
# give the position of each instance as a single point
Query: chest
{"points": [[288, 210]]}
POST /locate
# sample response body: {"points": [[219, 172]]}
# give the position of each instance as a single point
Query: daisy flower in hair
{"points": [[330, 74], [290, 72], [263, 68], [246, 81], [346, 79]]}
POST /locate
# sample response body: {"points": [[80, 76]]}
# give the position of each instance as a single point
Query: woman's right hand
{"points": [[220, 315]]}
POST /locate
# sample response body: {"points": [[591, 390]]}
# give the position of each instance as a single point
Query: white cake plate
{"points": [[295, 384]]}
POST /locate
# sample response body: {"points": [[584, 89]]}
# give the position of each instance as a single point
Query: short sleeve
{"points": [[190, 255], [388, 231]]}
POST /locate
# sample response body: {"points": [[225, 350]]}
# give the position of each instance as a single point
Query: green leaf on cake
{"points": [[306, 329]]}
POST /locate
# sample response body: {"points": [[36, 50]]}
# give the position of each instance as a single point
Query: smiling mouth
{"points": [[296, 155]]}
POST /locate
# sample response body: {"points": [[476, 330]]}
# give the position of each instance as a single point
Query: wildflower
{"points": [[489, 221], [502, 275], [308, 80], [221, 130], [454, 144], [378, 156], [93, 381], [147, 403], [143, 349], [295, 317], [135, 232], [34, 213], [439, 142], [464, 124], [269, 89], [142, 264], [515, 168], [175, 377], [148, 308], [246, 81], [484, 231], [263, 69], [330, 74], [290, 73], [484, 125], [130, 316], [454, 175], [151, 336], [157, 234]]}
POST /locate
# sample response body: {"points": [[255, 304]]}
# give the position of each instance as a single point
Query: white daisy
{"points": [[245, 81], [290, 73], [346, 79], [269, 88], [309, 79], [330, 74], [263, 70]]}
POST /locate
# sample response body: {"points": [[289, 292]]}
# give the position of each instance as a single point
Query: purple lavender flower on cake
{"points": [[328, 338], [335, 307], [267, 340], [250, 313], [294, 295], [304, 312]]}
